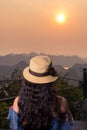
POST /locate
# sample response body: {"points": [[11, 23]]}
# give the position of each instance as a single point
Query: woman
{"points": [[37, 106]]}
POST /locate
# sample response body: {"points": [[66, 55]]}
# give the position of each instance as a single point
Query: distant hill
{"points": [[85, 59], [66, 60], [75, 73], [12, 59], [6, 71], [76, 64]]}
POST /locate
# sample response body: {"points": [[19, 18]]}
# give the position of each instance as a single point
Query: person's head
{"points": [[38, 96], [40, 70]]}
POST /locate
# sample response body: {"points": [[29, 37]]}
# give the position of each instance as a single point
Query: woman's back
{"points": [[37, 106]]}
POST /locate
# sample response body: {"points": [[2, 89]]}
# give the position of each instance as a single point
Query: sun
{"points": [[60, 18]]}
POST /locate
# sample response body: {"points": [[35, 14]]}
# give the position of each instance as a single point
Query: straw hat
{"points": [[40, 70]]}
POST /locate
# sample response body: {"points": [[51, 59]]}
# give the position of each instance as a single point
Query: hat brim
{"points": [[35, 79]]}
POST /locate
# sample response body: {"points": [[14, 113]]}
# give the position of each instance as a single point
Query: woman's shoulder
{"points": [[61, 98], [15, 104], [63, 103]]}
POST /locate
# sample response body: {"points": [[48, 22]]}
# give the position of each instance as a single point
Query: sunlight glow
{"points": [[60, 18]]}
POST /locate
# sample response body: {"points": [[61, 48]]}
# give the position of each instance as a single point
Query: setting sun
{"points": [[60, 18]]}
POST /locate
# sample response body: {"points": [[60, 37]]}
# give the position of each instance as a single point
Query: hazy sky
{"points": [[30, 25]]}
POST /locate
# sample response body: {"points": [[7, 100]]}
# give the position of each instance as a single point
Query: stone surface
{"points": [[79, 125]]}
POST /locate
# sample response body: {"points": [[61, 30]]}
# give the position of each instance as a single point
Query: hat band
{"points": [[38, 74]]}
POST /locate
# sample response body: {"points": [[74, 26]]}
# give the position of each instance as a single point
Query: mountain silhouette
{"points": [[9, 63], [12, 59]]}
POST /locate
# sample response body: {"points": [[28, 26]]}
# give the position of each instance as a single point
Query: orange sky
{"points": [[27, 26]]}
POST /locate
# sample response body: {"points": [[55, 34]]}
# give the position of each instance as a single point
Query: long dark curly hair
{"points": [[36, 103]]}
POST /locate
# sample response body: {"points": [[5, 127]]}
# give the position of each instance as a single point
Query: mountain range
{"points": [[12, 59], [75, 65]]}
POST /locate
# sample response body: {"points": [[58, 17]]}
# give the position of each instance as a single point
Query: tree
{"points": [[73, 95]]}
